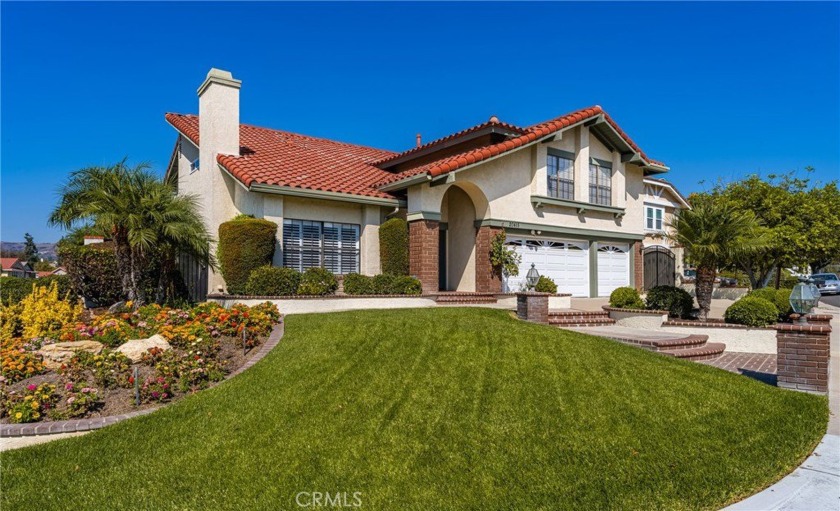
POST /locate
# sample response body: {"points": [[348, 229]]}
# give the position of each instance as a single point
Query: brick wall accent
{"points": [[638, 265], [532, 307], [423, 241], [803, 352], [486, 280]]}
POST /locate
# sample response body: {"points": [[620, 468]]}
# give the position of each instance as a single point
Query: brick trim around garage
{"points": [[72, 426]]}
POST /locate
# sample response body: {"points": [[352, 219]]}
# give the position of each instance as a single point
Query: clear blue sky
{"points": [[714, 90]]}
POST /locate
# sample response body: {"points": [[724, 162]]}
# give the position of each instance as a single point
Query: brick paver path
{"points": [[760, 366]]}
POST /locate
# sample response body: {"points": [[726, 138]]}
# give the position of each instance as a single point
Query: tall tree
{"points": [[30, 249], [147, 221], [713, 234], [803, 221]]}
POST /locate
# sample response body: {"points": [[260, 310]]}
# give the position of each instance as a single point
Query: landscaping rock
{"points": [[136, 348], [116, 307], [56, 354]]}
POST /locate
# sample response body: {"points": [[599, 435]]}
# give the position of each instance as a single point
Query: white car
{"points": [[828, 283]]}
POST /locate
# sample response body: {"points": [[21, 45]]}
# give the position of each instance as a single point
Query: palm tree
{"points": [[713, 234], [143, 215]]}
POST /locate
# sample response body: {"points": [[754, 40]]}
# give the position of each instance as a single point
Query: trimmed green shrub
{"points": [[273, 281], [15, 289], [355, 284], [317, 281], [245, 244], [780, 298], [92, 271], [752, 311], [393, 246], [626, 298], [678, 302], [545, 285], [358, 284]]}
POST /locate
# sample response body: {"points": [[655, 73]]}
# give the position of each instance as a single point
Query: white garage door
{"points": [[613, 267], [564, 262]]}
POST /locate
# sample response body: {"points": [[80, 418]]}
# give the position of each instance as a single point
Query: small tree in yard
{"points": [[147, 221], [505, 261], [30, 249], [713, 234]]}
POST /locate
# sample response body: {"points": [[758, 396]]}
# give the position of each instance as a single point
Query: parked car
{"points": [[690, 276], [727, 281], [828, 283]]}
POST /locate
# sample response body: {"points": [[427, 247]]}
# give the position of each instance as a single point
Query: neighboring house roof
{"points": [[280, 158], [9, 262], [42, 274], [284, 159]]}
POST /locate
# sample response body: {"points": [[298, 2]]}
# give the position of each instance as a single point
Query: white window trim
{"points": [[194, 165], [662, 219]]}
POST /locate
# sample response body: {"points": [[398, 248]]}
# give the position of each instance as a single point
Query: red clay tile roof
{"points": [[8, 262], [532, 133], [493, 122], [274, 157], [281, 158]]}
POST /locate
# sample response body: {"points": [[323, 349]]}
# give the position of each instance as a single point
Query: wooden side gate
{"points": [[194, 274], [660, 267]]}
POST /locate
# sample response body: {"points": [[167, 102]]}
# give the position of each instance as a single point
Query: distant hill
{"points": [[45, 250]]}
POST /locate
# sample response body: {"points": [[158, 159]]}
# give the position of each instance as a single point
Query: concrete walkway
{"points": [[815, 485]]}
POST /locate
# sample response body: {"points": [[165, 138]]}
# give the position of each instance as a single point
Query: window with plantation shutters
{"points": [[308, 244]]}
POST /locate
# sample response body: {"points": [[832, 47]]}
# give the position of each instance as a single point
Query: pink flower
{"points": [[70, 400], [69, 386], [31, 387]]}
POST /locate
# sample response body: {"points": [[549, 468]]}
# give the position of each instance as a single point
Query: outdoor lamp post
{"points": [[532, 277], [803, 298]]}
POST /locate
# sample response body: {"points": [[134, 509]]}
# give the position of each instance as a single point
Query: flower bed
{"points": [[193, 349]]}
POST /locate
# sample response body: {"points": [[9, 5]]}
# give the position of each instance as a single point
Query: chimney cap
{"points": [[221, 77]]}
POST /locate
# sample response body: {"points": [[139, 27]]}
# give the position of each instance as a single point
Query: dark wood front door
{"points": [[442, 259]]}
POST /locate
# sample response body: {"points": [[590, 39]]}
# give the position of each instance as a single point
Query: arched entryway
{"points": [[457, 241]]}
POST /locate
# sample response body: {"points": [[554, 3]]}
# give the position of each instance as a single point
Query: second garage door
{"points": [[564, 262], [613, 267]]}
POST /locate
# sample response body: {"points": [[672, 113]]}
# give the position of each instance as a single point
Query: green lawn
{"points": [[440, 408]]}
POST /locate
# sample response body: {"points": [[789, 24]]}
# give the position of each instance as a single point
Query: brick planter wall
{"points": [[803, 353], [486, 280], [423, 254], [532, 307]]}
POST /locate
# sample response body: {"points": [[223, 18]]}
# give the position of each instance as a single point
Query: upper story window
{"points": [[653, 218], [333, 246], [194, 165], [561, 174], [600, 182]]}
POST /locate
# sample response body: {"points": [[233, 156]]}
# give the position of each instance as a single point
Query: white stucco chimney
{"points": [[218, 114]]}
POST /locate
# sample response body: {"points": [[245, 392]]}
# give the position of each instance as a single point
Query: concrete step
{"points": [[570, 321], [463, 298], [691, 341], [707, 351]]}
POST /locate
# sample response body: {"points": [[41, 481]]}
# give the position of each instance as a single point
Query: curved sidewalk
{"points": [[815, 485]]}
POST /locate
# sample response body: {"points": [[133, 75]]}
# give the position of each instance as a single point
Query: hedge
{"points": [[245, 244], [545, 285], [393, 246], [780, 298], [273, 281], [15, 289], [92, 271], [626, 298], [355, 284], [675, 300], [752, 311], [317, 281]]}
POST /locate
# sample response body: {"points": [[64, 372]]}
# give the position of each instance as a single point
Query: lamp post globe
{"points": [[532, 277], [803, 298]]}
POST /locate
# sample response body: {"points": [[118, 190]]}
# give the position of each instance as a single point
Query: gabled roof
{"points": [[532, 134], [8, 262], [279, 158], [671, 188]]}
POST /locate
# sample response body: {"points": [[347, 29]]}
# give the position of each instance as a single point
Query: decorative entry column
{"points": [[423, 253]]}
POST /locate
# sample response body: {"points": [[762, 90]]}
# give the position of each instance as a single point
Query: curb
{"points": [[72, 426]]}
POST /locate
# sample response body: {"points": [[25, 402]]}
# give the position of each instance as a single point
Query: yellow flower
{"points": [[35, 405], [36, 415], [18, 415]]}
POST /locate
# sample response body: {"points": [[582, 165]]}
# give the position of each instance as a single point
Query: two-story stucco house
{"points": [[575, 196]]}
